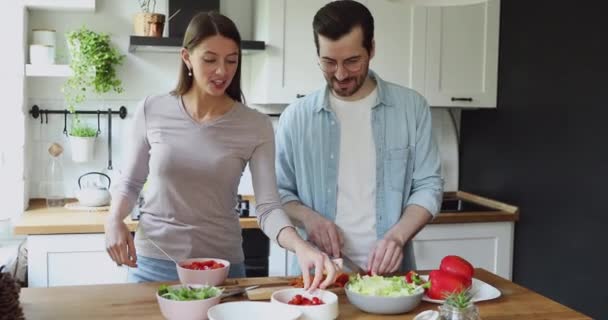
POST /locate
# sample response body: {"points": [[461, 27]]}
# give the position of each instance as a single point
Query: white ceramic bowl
{"points": [[384, 305], [251, 310], [213, 277], [327, 311], [186, 310]]}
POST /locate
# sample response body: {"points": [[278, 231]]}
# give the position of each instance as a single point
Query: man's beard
{"points": [[347, 92]]}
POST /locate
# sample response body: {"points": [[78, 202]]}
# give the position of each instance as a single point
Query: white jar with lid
{"points": [[44, 36], [42, 54]]}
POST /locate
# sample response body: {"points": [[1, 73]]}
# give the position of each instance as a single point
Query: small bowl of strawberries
{"points": [[209, 271], [316, 305]]}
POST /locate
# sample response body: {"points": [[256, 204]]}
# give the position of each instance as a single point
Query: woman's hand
{"points": [[310, 257], [119, 243]]}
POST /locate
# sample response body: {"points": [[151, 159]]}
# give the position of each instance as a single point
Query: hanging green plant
{"points": [[93, 63]]}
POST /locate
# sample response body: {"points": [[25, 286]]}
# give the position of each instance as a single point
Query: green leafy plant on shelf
{"points": [[93, 62]]}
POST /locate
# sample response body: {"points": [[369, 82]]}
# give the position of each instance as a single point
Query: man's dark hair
{"points": [[338, 18]]}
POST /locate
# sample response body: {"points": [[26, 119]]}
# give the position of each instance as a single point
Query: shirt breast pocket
{"points": [[398, 164]]}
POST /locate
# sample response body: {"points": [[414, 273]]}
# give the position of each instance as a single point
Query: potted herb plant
{"points": [[459, 306], [147, 22], [93, 63]]}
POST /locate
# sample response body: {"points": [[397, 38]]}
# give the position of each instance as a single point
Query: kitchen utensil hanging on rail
{"points": [[36, 112], [109, 140]]}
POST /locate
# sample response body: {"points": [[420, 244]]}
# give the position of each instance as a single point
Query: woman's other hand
{"points": [[119, 243], [309, 258]]}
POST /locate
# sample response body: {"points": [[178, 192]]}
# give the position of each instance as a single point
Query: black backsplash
{"points": [[179, 23], [544, 148]]}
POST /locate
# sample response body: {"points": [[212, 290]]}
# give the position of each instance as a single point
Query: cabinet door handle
{"points": [[469, 99], [300, 95]]}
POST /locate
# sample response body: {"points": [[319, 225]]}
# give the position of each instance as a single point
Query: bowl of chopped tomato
{"points": [[316, 305], [208, 271]]}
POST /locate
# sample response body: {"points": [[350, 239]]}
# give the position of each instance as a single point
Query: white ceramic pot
{"points": [[42, 54], [83, 148], [44, 37]]}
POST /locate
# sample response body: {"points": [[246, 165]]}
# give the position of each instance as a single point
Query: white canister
{"points": [[42, 54], [43, 36]]}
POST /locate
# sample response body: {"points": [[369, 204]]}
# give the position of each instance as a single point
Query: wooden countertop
{"points": [[499, 211], [138, 301], [38, 219]]}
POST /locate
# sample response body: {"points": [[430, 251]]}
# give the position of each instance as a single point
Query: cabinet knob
{"points": [[469, 99], [300, 96]]}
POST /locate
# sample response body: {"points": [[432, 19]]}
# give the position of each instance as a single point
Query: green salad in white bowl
{"points": [[383, 295], [187, 293], [187, 301]]}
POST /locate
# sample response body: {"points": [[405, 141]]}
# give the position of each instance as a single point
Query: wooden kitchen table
{"points": [[138, 301]]}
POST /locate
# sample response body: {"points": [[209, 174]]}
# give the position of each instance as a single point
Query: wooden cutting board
{"points": [[264, 293]]}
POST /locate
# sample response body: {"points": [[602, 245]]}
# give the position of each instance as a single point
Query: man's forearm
{"points": [[297, 212], [414, 218]]}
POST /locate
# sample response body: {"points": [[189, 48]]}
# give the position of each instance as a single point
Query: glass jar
{"points": [[447, 312], [55, 191]]}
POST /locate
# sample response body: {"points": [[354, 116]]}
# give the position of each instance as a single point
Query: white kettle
{"points": [[93, 195]]}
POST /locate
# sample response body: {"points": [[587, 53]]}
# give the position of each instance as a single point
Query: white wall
{"points": [[12, 135]]}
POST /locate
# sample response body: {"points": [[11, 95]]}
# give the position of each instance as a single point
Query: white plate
{"points": [[481, 291], [252, 311]]}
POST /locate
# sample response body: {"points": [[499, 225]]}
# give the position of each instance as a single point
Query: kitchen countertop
{"points": [[38, 219], [138, 301]]}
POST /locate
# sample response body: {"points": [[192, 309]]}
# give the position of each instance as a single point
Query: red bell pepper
{"points": [[444, 283], [458, 266]]}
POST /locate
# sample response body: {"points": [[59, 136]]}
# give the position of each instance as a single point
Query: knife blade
{"points": [[351, 264]]}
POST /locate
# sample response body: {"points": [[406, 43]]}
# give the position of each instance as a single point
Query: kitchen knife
{"points": [[352, 265]]}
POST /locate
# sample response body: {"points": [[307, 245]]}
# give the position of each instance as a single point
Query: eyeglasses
{"points": [[351, 65]]}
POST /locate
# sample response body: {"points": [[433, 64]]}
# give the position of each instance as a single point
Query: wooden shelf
{"points": [[154, 44], [51, 70], [61, 5]]}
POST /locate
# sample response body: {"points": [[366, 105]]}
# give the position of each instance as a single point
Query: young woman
{"points": [[191, 147]]}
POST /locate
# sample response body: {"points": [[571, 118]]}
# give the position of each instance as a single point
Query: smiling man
{"points": [[357, 167]]}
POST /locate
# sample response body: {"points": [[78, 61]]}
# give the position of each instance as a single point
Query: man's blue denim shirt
{"points": [[408, 166]]}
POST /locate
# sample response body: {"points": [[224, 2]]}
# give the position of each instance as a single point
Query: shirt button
{"points": [[333, 122], [328, 190], [331, 156]]}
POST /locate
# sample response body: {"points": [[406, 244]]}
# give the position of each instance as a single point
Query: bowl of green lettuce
{"points": [[187, 302], [383, 295]]}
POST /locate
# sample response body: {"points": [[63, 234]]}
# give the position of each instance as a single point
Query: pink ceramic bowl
{"points": [[186, 310], [212, 277], [327, 311]]}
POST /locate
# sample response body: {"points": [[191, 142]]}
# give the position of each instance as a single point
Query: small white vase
{"points": [[83, 148]]}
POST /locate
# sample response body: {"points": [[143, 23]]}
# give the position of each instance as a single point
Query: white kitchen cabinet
{"points": [[288, 68], [445, 49], [71, 259], [394, 37], [458, 54], [487, 245]]}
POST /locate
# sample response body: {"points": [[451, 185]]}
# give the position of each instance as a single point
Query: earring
{"points": [[189, 72]]}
